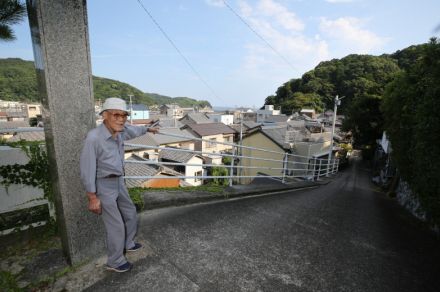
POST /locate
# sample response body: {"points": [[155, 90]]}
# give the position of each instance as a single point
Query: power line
{"points": [[178, 51], [258, 35]]}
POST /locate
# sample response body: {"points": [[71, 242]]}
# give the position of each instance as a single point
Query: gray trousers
{"points": [[119, 217]]}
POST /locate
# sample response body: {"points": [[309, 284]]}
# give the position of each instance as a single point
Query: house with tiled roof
{"points": [[195, 118], [149, 144], [134, 166], [192, 164], [139, 112], [212, 133], [172, 110], [281, 139]]}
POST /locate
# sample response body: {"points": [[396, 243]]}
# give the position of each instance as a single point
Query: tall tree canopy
{"points": [[11, 12], [411, 110]]}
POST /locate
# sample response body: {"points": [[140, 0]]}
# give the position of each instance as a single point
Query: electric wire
{"points": [[193, 69], [258, 35]]}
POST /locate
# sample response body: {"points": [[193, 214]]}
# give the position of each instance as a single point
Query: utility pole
{"points": [[131, 109], [337, 102]]}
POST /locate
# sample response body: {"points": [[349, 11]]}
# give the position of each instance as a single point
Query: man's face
{"points": [[115, 119]]}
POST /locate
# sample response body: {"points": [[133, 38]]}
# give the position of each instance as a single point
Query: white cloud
{"points": [[217, 3], [281, 14], [349, 33], [283, 30]]}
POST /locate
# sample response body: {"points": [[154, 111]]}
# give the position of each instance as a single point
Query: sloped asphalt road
{"points": [[344, 236]]}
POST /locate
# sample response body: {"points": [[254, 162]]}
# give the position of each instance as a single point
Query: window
{"points": [[211, 143], [198, 175]]}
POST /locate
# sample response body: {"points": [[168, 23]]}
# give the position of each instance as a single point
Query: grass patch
{"points": [[8, 282], [137, 198], [136, 194], [204, 188]]}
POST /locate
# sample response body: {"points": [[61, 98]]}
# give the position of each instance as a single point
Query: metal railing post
{"points": [[314, 168], [337, 166], [231, 171], [334, 165], [284, 167], [319, 169]]}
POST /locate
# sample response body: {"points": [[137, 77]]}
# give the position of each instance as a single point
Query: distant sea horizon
{"points": [[225, 108]]}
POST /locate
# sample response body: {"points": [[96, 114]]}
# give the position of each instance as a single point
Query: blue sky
{"points": [[236, 65]]}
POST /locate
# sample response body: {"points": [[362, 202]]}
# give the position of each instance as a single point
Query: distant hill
{"points": [[18, 83], [352, 76]]}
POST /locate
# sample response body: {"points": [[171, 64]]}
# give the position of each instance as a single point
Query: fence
{"points": [[241, 167], [239, 161]]}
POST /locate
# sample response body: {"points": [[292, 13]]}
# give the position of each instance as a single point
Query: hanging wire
{"points": [[193, 69], [258, 35]]}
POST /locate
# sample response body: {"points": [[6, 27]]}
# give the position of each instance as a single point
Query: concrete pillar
{"points": [[62, 59]]}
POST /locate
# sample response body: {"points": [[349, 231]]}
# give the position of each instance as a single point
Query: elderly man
{"points": [[102, 170]]}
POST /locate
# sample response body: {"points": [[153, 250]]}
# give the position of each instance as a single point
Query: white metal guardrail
{"points": [[243, 167], [291, 166]]}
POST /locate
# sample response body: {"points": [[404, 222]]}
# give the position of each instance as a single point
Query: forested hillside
{"points": [[359, 79], [18, 83]]}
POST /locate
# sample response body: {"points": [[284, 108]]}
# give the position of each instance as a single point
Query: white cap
{"points": [[114, 103]]}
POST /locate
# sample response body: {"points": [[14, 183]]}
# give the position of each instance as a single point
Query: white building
{"points": [[267, 112], [139, 112], [222, 118]]}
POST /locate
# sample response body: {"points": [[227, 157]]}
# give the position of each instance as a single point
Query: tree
{"points": [[11, 12], [361, 79], [411, 109]]}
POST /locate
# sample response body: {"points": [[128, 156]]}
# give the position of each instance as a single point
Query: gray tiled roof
{"points": [[142, 169], [14, 124], [177, 156], [211, 129], [28, 136], [139, 107], [250, 124], [276, 118], [145, 139], [297, 123], [199, 118], [162, 138], [277, 134], [150, 139], [169, 122], [138, 169]]}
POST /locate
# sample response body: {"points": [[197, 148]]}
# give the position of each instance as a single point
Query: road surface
{"points": [[344, 236]]}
